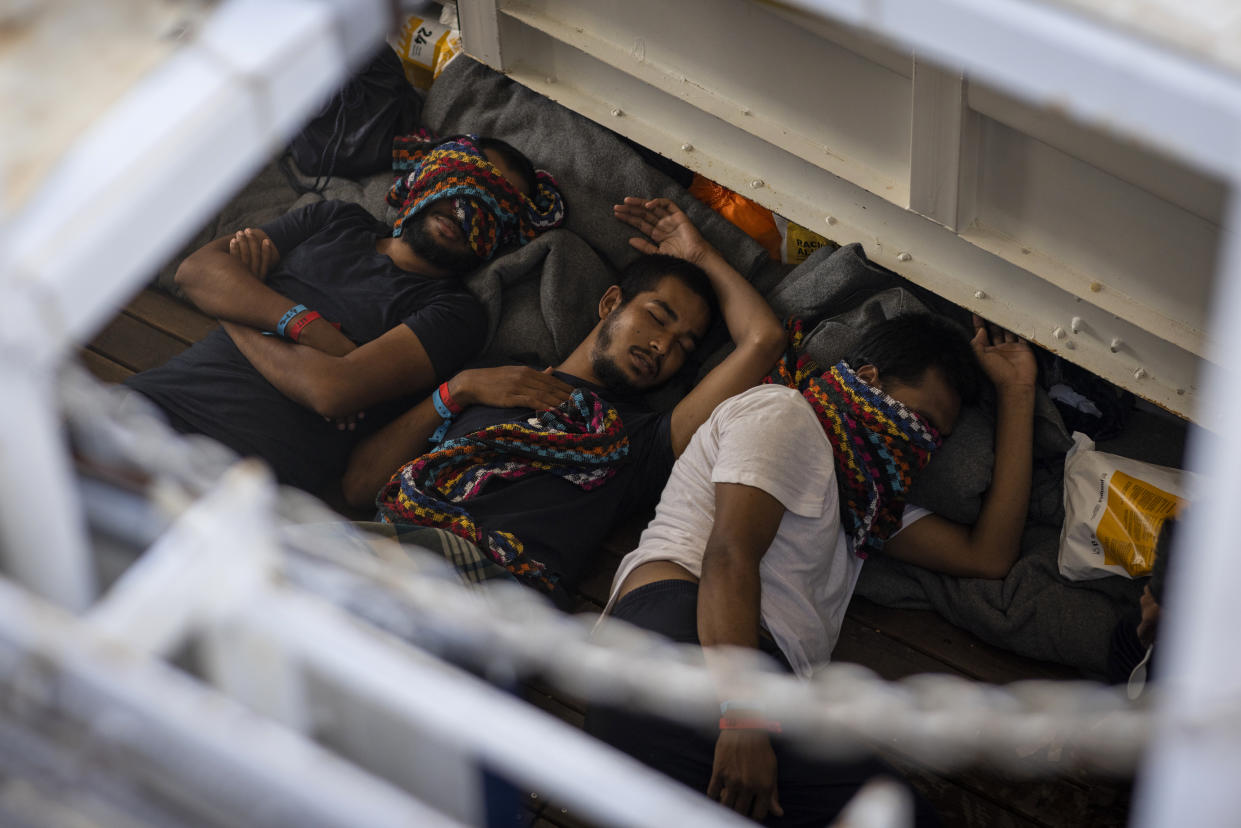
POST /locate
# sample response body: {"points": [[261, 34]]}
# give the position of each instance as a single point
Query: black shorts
{"points": [[812, 791]]}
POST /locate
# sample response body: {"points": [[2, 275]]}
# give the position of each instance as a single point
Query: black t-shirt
{"points": [[560, 524], [328, 262]]}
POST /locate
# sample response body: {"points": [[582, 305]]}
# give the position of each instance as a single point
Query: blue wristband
{"points": [[440, 407], [739, 705], [288, 317], [438, 436], [445, 414]]}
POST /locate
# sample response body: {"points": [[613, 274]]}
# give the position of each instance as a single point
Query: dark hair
{"points": [[514, 158], [646, 272], [904, 347]]}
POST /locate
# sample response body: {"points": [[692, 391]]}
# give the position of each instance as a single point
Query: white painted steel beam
{"points": [[192, 746], [1053, 56], [882, 803], [119, 203], [589, 777], [962, 268], [779, 107], [156, 165], [43, 541], [480, 30], [935, 142], [1190, 777], [221, 551]]}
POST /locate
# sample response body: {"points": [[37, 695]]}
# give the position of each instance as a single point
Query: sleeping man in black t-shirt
{"points": [[362, 319], [542, 496]]}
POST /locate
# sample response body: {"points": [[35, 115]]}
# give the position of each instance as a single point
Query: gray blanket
{"points": [[542, 299]]}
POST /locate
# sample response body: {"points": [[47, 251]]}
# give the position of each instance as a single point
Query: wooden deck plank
{"points": [[104, 368], [939, 639], [889, 658], [171, 316], [1045, 801], [135, 345], [958, 807], [1051, 801]]}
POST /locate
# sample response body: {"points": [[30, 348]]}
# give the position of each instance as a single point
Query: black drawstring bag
{"points": [[352, 135]]}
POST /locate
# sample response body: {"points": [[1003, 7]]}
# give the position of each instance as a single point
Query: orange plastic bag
{"points": [[784, 241], [754, 219]]}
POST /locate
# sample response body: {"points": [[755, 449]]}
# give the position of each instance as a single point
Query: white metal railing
{"points": [[131, 190]]}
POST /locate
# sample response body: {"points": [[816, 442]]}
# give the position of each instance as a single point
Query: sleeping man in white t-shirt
{"points": [[768, 516]]}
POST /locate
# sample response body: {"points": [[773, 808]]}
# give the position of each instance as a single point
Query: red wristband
{"points": [[447, 400], [294, 329], [734, 723]]}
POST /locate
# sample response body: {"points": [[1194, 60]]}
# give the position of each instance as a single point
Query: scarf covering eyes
{"points": [[878, 444], [490, 210], [583, 441]]}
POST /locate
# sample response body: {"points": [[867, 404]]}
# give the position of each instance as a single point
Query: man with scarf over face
{"points": [[331, 320], [766, 520]]}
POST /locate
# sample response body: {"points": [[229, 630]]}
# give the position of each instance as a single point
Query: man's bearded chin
{"points": [[420, 240], [601, 362]]}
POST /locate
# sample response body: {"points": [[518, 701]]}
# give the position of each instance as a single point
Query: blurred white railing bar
{"points": [[179, 739]]}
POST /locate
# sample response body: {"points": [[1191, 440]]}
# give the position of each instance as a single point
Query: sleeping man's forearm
{"points": [[289, 367]]}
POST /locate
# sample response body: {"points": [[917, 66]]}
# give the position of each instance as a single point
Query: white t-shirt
{"points": [[767, 437]]}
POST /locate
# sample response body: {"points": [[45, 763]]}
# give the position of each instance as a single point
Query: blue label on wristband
{"points": [[288, 317]]}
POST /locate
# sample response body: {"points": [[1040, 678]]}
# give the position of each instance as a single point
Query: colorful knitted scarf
{"points": [[492, 212], [878, 444], [582, 441]]}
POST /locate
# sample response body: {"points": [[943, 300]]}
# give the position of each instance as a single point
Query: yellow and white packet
{"points": [[1114, 508], [425, 48], [796, 242]]}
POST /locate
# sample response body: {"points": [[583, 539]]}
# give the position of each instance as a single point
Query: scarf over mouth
{"points": [[878, 444]]}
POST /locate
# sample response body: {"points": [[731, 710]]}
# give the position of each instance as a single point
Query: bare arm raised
{"points": [[755, 331], [989, 548]]}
